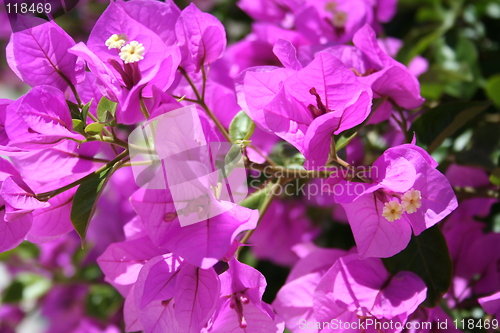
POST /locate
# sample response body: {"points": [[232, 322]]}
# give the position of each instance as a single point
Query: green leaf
{"points": [[24, 251], [108, 119], [493, 89], [78, 126], [35, 285], [13, 293], [495, 177], [74, 110], [85, 201], [241, 127], [104, 106], [231, 160], [427, 256], [441, 122], [94, 128], [85, 112], [343, 141], [257, 198], [26, 286], [103, 301]]}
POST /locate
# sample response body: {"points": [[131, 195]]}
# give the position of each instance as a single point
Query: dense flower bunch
{"points": [[311, 77]]}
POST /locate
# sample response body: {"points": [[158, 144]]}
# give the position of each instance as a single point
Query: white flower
{"points": [[411, 201], [132, 52], [392, 210], [116, 41]]}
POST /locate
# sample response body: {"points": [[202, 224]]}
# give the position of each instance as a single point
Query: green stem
{"points": [[72, 87], [268, 160], [262, 211], [204, 82], [47, 195], [94, 119], [106, 139], [182, 98], [144, 109], [402, 123], [201, 102]]}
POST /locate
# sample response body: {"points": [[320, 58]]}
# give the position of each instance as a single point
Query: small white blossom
{"points": [[411, 201], [116, 41], [392, 210]]}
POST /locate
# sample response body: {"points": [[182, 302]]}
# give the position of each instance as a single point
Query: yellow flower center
{"points": [[116, 41], [339, 19], [132, 52], [331, 6], [392, 210], [411, 201]]}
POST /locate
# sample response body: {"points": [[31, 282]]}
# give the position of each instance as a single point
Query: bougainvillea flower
{"points": [[324, 21], [159, 17], [213, 237], [332, 21], [365, 288], [389, 77], [402, 191], [284, 225], [474, 255], [374, 67], [39, 55], [122, 262], [240, 308], [272, 11], [306, 107], [64, 307], [480, 264], [466, 176], [11, 233], [202, 38], [38, 120], [128, 59], [491, 304], [391, 46], [58, 165], [254, 50], [18, 198], [294, 301], [173, 296], [10, 317]]}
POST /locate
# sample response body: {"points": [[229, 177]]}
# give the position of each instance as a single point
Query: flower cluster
{"points": [[137, 139]]}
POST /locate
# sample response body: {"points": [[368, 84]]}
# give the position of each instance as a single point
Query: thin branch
{"points": [[47, 195], [262, 211], [182, 98], [202, 103], [204, 82], [144, 109], [268, 160]]}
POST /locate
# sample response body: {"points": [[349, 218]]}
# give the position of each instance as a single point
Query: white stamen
{"points": [[116, 41], [132, 52], [411, 201], [392, 210]]}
